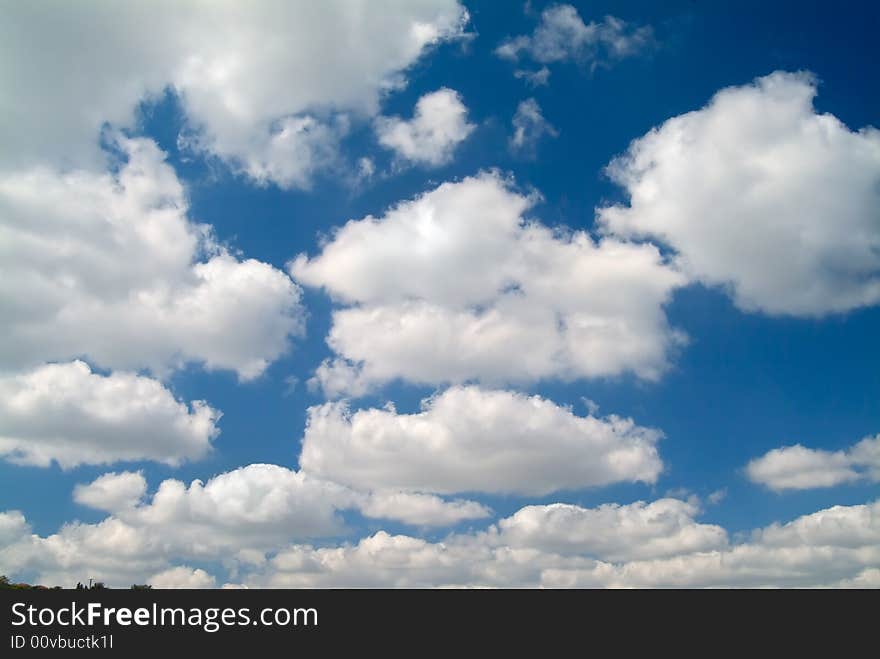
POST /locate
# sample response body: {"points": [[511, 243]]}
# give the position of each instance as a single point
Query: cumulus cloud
{"points": [[13, 527], [68, 414], [237, 517], [612, 532], [800, 468], [642, 544], [563, 35], [529, 126], [182, 577], [421, 509], [108, 267], [762, 195], [244, 73], [248, 510], [468, 439], [112, 491], [439, 124], [833, 547], [828, 548], [294, 149], [487, 295]]}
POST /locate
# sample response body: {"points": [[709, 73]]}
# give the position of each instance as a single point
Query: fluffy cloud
{"points": [[245, 511], [800, 468], [467, 439], [113, 491], [13, 527], [245, 74], [182, 577], [612, 532], [430, 137], [563, 35], [529, 126], [235, 517], [456, 285], [254, 507], [67, 413], [833, 547], [636, 545], [107, 266], [760, 194], [421, 509]]}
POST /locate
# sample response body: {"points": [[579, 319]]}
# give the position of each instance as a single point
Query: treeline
{"points": [[6, 584]]}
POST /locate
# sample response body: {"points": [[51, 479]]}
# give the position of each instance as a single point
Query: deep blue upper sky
{"points": [[745, 384]]}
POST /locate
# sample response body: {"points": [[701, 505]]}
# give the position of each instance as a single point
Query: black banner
{"points": [[337, 620]]}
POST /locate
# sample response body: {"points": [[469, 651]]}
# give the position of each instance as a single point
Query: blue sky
{"points": [[746, 382]]}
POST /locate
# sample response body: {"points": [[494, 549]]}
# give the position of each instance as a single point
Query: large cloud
{"points": [[108, 267], [468, 439], [836, 546], [759, 193], [456, 285], [68, 414], [439, 124], [800, 468], [640, 544], [235, 516], [258, 81], [240, 513]]}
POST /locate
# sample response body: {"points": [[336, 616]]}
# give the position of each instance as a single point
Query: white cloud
{"points": [[112, 491], [612, 532], [688, 554], [635, 545], [68, 414], [563, 35], [108, 267], [800, 468], [421, 509], [398, 561], [13, 527], [760, 194], [294, 149], [235, 517], [456, 285], [251, 509], [258, 81], [529, 126], [468, 439], [182, 577], [438, 126]]}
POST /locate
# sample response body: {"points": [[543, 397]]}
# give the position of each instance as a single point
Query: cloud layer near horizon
{"points": [[656, 544]]}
